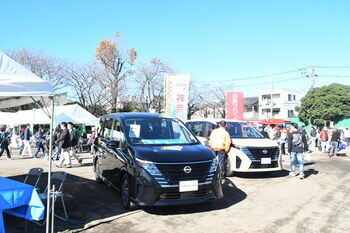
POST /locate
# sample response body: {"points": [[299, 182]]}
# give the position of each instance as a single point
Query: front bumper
{"points": [[148, 192]]}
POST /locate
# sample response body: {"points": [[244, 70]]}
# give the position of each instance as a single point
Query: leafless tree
{"points": [[150, 82], [215, 98], [89, 86], [42, 65], [195, 100]]}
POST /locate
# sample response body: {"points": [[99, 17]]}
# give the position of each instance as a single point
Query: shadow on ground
{"points": [[264, 175], [232, 196], [85, 201]]}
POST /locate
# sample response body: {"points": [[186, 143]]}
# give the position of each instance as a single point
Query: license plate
{"points": [[189, 185], [265, 160]]}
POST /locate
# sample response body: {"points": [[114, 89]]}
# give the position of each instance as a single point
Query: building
{"points": [[283, 103], [251, 108]]}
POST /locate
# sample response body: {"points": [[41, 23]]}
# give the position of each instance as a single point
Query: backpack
{"points": [[297, 140], [2, 137]]}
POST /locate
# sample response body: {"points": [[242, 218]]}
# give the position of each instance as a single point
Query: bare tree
{"points": [[42, 65], [195, 100], [150, 82], [89, 87], [215, 99], [117, 65]]}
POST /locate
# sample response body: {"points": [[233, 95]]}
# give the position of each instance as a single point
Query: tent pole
{"points": [[50, 168]]}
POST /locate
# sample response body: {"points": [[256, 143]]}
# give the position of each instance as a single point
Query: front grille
{"points": [[256, 153], [173, 173], [185, 195]]}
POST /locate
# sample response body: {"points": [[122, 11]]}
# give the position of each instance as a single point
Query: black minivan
{"points": [[154, 160]]}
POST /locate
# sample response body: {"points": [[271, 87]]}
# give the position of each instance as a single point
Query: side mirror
{"points": [[112, 144]]}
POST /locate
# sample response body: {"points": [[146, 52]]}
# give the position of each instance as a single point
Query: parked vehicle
{"points": [[154, 160], [250, 151]]}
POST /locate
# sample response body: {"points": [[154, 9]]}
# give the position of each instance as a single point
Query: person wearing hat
{"points": [[220, 143]]}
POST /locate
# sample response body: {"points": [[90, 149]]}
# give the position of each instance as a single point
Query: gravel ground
{"points": [[267, 202]]}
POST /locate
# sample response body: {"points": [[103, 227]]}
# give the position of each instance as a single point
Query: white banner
{"points": [[176, 95]]}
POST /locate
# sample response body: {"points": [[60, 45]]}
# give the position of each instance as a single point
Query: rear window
{"points": [[242, 130]]}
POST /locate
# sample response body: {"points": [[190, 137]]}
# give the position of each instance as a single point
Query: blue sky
{"points": [[212, 40]]}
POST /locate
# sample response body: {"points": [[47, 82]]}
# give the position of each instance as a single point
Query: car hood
{"points": [[263, 142], [174, 153]]}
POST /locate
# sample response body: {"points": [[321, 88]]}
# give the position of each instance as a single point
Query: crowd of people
{"points": [[297, 143], [67, 141], [326, 140]]}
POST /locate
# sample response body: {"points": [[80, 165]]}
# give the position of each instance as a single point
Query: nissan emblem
{"points": [[187, 169]]}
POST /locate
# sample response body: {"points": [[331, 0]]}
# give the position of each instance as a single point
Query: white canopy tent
{"points": [[68, 113], [19, 86]]}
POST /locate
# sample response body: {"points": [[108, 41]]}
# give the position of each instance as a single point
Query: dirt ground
{"points": [[269, 202]]}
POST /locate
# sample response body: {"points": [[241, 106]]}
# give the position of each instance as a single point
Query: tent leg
{"points": [[50, 168]]}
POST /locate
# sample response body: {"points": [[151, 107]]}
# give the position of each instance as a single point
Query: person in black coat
{"points": [[297, 145], [64, 143], [73, 142], [4, 143]]}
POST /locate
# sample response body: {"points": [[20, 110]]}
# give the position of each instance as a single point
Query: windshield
{"points": [[158, 131], [242, 130]]}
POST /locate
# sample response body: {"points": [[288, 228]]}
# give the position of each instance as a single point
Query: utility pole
{"points": [[312, 75]]}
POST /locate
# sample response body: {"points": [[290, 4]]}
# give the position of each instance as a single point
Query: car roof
{"points": [[214, 120], [128, 115]]}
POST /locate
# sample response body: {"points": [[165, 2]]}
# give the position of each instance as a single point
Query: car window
{"points": [[157, 130], [198, 128], [117, 132], [210, 128], [107, 128], [242, 130]]}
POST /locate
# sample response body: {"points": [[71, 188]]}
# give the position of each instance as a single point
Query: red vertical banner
{"points": [[234, 105]]}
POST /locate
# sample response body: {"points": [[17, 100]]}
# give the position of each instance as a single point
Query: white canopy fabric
{"points": [[18, 86], [68, 113]]}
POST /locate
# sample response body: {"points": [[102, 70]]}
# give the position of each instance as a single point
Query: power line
{"points": [[332, 67], [334, 76], [253, 77], [277, 74], [266, 83]]}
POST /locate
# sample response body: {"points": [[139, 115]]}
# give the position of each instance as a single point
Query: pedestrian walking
{"points": [[91, 140], [40, 141], [347, 136], [283, 140], [297, 145], [324, 139], [58, 150], [73, 142], [4, 142], [334, 143], [26, 141], [220, 143], [273, 132], [64, 142], [313, 135]]}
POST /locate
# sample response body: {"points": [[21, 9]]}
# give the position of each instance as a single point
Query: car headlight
{"points": [[149, 166], [214, 164]]}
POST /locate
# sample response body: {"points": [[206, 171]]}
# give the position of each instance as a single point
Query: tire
{"points": [[127, 204], [97, 173], [228, 171]]}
